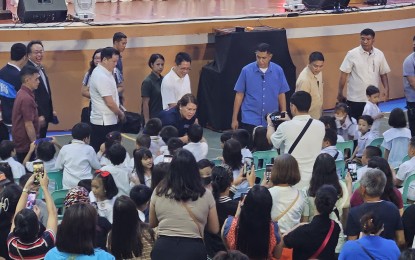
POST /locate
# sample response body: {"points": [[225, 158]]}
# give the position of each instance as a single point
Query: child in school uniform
{"points": [[406, 169], [153, 128], [329, 145], [365, 138], [372, 109], [197, 144], [243, 137], [396, 139], [346, 125]]}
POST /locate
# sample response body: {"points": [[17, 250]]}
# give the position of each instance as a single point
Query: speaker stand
{"points": [[5, 15]]}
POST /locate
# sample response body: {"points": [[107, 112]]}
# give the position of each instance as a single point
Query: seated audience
{"points": [[78, 158], [76, 235], [159, 173], [143, 166], [369, 152], [365, 137], [406, 169], [166, 134], [370, 245], [222, 178], [79, 194], [153, 128], [259, 140], [225, 136], [116, 155], [11, 193], [181, 208], [25, 239], [396, 139], [324, 172], [346, 125], [7, 152], [372, 185], [390, 193], [45, 152], [129, 238], [197, 145], [243, 137], [330, 123], [173, 144], [104, 191], [142, 141], [329, 145], [288, 202], [141, 194], [252, 231], [308, 241], [111, 138], [232, 157]]}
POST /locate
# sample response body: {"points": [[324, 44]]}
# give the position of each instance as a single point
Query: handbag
{"points": [[287, 209], [324, 244], [300, 136]]}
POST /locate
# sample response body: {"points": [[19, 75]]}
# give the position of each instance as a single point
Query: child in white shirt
{"points": [[78, 158], [368, 153], [346, 125], [7, 152], [153, 128], [365, 138], [197, 144], [406, 169], [243, 137], [396, 139], [372, 109], [329, 145]]}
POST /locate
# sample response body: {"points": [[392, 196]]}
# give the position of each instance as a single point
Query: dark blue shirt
{"points": [[261, 92], [172, 117]]}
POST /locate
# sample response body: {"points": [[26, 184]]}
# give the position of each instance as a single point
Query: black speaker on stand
{"points": [[5, 14], [335, 5], [42, 11]]}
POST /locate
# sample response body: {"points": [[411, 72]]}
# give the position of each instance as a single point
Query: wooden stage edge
{"points": [[69, 46]]}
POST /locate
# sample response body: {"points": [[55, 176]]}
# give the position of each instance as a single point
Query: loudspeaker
{"points": [[325, 4], [42, 11]]}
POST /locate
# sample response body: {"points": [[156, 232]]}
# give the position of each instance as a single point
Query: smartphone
{"points": [[46, 139], [167, 158], [268, 170], [247, 165], [352, 167], [257, 180], [31, 200], [243, 196], [38, 171]]}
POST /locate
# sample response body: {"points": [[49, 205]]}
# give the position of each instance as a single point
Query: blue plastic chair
{"points": [[262, 158], [340, 168], [377, 142], [57, 178], [406, 188], [342, 146]]}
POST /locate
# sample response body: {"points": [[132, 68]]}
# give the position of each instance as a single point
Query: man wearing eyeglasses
{"points": [[311, 80], [176, 83], [260, 90], [43, 94]]}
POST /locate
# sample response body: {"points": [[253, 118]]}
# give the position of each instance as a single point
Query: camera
{"points": [[276, 118]]}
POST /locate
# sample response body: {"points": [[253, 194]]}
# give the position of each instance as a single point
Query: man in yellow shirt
{"points": [[311, 80]]}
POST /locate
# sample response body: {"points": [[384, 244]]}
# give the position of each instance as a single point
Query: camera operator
{"points": [[287, 136]]}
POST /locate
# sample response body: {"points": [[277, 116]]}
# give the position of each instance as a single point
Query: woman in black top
{"points": [[307, 240]]}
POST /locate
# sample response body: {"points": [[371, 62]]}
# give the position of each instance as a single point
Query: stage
{"points": [[171, 26]]}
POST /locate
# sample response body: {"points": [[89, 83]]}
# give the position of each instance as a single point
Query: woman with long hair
{"points": [[370, 245], [24, 240], [76, 235], [324, 172], [151, 88], [181, 208], [130, 238], [252, 231], [317, 239], [390, 193], [96, 59]]}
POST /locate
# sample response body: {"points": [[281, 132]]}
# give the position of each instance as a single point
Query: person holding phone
{"points": [[24, 240]]}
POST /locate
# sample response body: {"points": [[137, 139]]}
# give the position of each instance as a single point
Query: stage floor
{"points": [[156, 11]]}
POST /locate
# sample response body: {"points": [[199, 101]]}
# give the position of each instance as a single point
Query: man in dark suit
{"points": [[43, 94], [11, 83]]}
